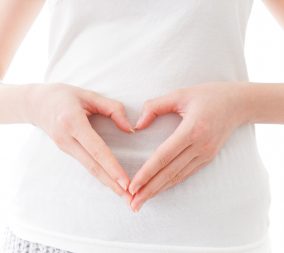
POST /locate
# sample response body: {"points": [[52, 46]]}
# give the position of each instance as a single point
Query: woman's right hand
{"points": [[62, 111]]}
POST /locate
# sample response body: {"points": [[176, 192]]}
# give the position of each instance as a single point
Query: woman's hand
{"points": [[62, 111], [210, 112]]}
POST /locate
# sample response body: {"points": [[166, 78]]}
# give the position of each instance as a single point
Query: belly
{"points": [[224, 203]]}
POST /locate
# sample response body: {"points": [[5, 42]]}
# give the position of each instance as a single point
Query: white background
{"points": [[265, 61]]}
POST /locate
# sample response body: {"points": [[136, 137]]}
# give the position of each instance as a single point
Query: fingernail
{"points": [[137, 124], [135, 189], [122, 183], [132, 130], [139, 121], [136, 209]]}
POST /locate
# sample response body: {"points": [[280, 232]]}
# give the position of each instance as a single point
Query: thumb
{"points": [[110, 108], [153, 108]]}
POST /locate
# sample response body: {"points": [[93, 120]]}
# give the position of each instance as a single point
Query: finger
{"points": [[165, 175], [99, 151], [108, 107], [182, 176], [165, 153], [187, 171], [73, 147], [152, 108]]}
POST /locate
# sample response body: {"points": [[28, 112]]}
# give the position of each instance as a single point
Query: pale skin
{"points": [[210, 112]]}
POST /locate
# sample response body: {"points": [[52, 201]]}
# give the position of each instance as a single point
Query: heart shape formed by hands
{"points": [[210, 112]]}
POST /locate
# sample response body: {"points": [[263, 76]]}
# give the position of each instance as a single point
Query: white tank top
{"points": [[133, 50]]}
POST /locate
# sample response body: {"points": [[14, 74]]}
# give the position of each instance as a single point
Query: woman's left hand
{"points": [[210, 112]]}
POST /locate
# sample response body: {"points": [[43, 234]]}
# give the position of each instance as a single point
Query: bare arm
{"points": [[16, 18], [14, 103], [276, 8], [264, 102]]}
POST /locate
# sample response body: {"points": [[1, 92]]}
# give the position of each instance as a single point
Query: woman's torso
{"points": [[131, 51]]}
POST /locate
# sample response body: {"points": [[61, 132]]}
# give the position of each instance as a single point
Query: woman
{"points": [[143, 100]]}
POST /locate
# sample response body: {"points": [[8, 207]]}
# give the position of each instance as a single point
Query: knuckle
{"points": [[163, 161], [169, 176], [64, 121], [95, 153], [118, 106], [177, 179], [210, 150], [94, 170]]}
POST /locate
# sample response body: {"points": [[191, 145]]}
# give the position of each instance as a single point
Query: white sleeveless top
{"points": [[132, 50]]}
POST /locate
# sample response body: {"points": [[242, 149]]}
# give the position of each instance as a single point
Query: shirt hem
{"points": [[88, 245]]}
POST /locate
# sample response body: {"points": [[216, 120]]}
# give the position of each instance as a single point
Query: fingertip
{"points": [[145, 120], [121, 121], [125, 126], [134, 188], [130, 190], [128, 199], [140, 123], [135, 206], [130, 129], [126, 123], [123, 183]]}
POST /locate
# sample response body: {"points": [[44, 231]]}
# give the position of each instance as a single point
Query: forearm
{"points": [[264, 103], [14, 103]]}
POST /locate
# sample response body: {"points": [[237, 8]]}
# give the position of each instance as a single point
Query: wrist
{"points": [[29, 96], [22, 102], [247, 102], [243, 111], [14, 103]]}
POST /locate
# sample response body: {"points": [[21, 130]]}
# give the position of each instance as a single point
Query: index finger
{"points": [[164, 154], [97, 148]]}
